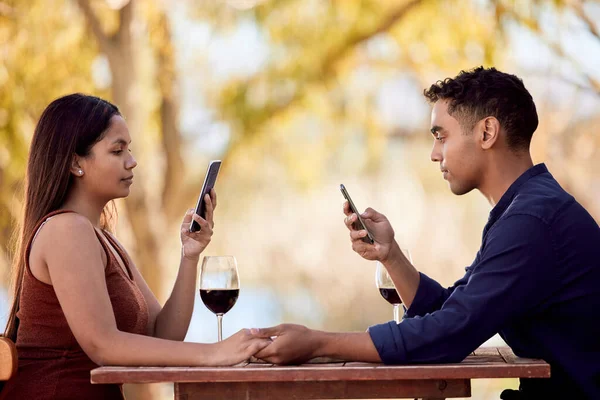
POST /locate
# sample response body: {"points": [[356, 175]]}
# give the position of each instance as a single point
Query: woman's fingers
{"points": [[205, 228], [209, 209], [213, 197], [258, 345], [187, 218]]}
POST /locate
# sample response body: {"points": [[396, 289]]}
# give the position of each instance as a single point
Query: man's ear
{"points": [[76, 166], [489, 132]]}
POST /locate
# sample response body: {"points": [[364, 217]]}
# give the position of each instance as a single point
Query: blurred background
{"points": [[295, 97]]}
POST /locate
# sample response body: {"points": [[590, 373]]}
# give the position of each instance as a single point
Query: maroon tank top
{"points": [[52, 365]]}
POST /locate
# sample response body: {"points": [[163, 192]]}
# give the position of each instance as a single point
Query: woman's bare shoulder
{"points": [[69, 223], [65, 230]]}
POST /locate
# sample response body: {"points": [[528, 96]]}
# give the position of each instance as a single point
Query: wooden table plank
{"points": [[470, 369], [324, 390], [487, 351], [510, 357], [331, 379], [484, 363]]}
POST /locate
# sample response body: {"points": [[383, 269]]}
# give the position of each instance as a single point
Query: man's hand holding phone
{"points": [[379, 227]]}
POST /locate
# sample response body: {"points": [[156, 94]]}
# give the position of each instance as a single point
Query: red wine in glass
{"points": [[219, 301], [391, 295], [219, 286], [386, 287]]}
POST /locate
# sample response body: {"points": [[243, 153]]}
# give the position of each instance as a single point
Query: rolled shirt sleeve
{"points": [[515, 271], [430, 297]]}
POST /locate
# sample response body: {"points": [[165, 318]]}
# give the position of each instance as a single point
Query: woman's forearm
{"points": [[123, 348], [173, 320]]}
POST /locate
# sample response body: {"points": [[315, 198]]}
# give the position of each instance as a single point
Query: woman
{"points": [[79, 300]]}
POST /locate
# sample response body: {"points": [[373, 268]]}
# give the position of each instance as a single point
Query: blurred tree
{"points": [[33, 71], [122, 50], [311, 102], [317, 47]]}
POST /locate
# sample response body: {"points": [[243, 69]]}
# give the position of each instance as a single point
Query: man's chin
{"points": [[459, 190]]}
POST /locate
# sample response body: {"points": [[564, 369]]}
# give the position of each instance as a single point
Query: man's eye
{"points": [[117, 151]]}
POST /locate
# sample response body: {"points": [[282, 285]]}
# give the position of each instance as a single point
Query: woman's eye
{"points": [[117, 151]]}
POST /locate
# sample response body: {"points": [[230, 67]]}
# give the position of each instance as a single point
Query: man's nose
{"points": [[436, 154]]}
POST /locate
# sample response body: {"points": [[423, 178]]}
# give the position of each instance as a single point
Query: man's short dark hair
{"points": [[483, 92]]}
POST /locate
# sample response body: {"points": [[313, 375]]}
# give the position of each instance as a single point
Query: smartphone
{"points": [[209, 182], [359, 223]]}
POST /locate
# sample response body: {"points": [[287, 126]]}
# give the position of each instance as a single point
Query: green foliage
{"points": [[44, 53]]}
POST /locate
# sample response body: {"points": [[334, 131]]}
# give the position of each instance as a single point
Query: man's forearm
{"points": [[355, 346], [405, 276]]}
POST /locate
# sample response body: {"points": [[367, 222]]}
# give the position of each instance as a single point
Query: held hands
{"points": [[193, 243], [239, 347], [294, 344], [380, 228]]}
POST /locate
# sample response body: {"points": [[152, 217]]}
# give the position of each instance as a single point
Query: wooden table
{"points": [[339, 380]]}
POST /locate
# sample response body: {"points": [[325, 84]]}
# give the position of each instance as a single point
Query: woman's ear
{"points": [[76, 167]]}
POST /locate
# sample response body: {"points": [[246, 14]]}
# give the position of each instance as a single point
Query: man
{"points": [[535, 279]]}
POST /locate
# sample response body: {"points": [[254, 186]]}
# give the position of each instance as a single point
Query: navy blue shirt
{"points": [[535, 281]]}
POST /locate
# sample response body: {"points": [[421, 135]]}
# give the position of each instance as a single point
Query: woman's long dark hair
{"points": [[69, 125]]}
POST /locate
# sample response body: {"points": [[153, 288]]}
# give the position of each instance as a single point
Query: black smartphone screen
{"points": [[359, 223], [209, 182]]}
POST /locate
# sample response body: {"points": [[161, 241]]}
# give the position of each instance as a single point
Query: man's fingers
{"points": [[373, 215], [265, 352], [358, 235], [259, 345], [347, 208], [267, 332], [349, 220], [362, 248]]}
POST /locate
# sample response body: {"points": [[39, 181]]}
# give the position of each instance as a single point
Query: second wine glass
{"points": [[219, 286]]}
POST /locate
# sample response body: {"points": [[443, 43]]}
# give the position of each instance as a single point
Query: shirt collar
{"points": [[508, 196]]}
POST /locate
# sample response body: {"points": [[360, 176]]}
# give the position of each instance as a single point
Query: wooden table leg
{"points": [[308, 390]]}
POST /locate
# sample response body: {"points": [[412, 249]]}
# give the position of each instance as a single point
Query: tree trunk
{"points": [[120, 50]]}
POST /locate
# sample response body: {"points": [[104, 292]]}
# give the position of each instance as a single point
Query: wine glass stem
{"points": [[220, 324], [397, 313]]}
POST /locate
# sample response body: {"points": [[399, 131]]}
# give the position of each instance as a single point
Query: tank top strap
{"points": [[118, 248], [41, 223], [38, 226]]}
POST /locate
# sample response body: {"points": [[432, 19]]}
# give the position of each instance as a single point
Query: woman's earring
{"points": [[80, 172]]}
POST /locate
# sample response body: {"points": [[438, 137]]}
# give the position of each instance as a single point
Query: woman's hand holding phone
{"points": [[194, 243], [380, 228]]}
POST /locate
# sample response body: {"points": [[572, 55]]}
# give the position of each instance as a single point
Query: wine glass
{"points": [[386, 286], [219, 286]]}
